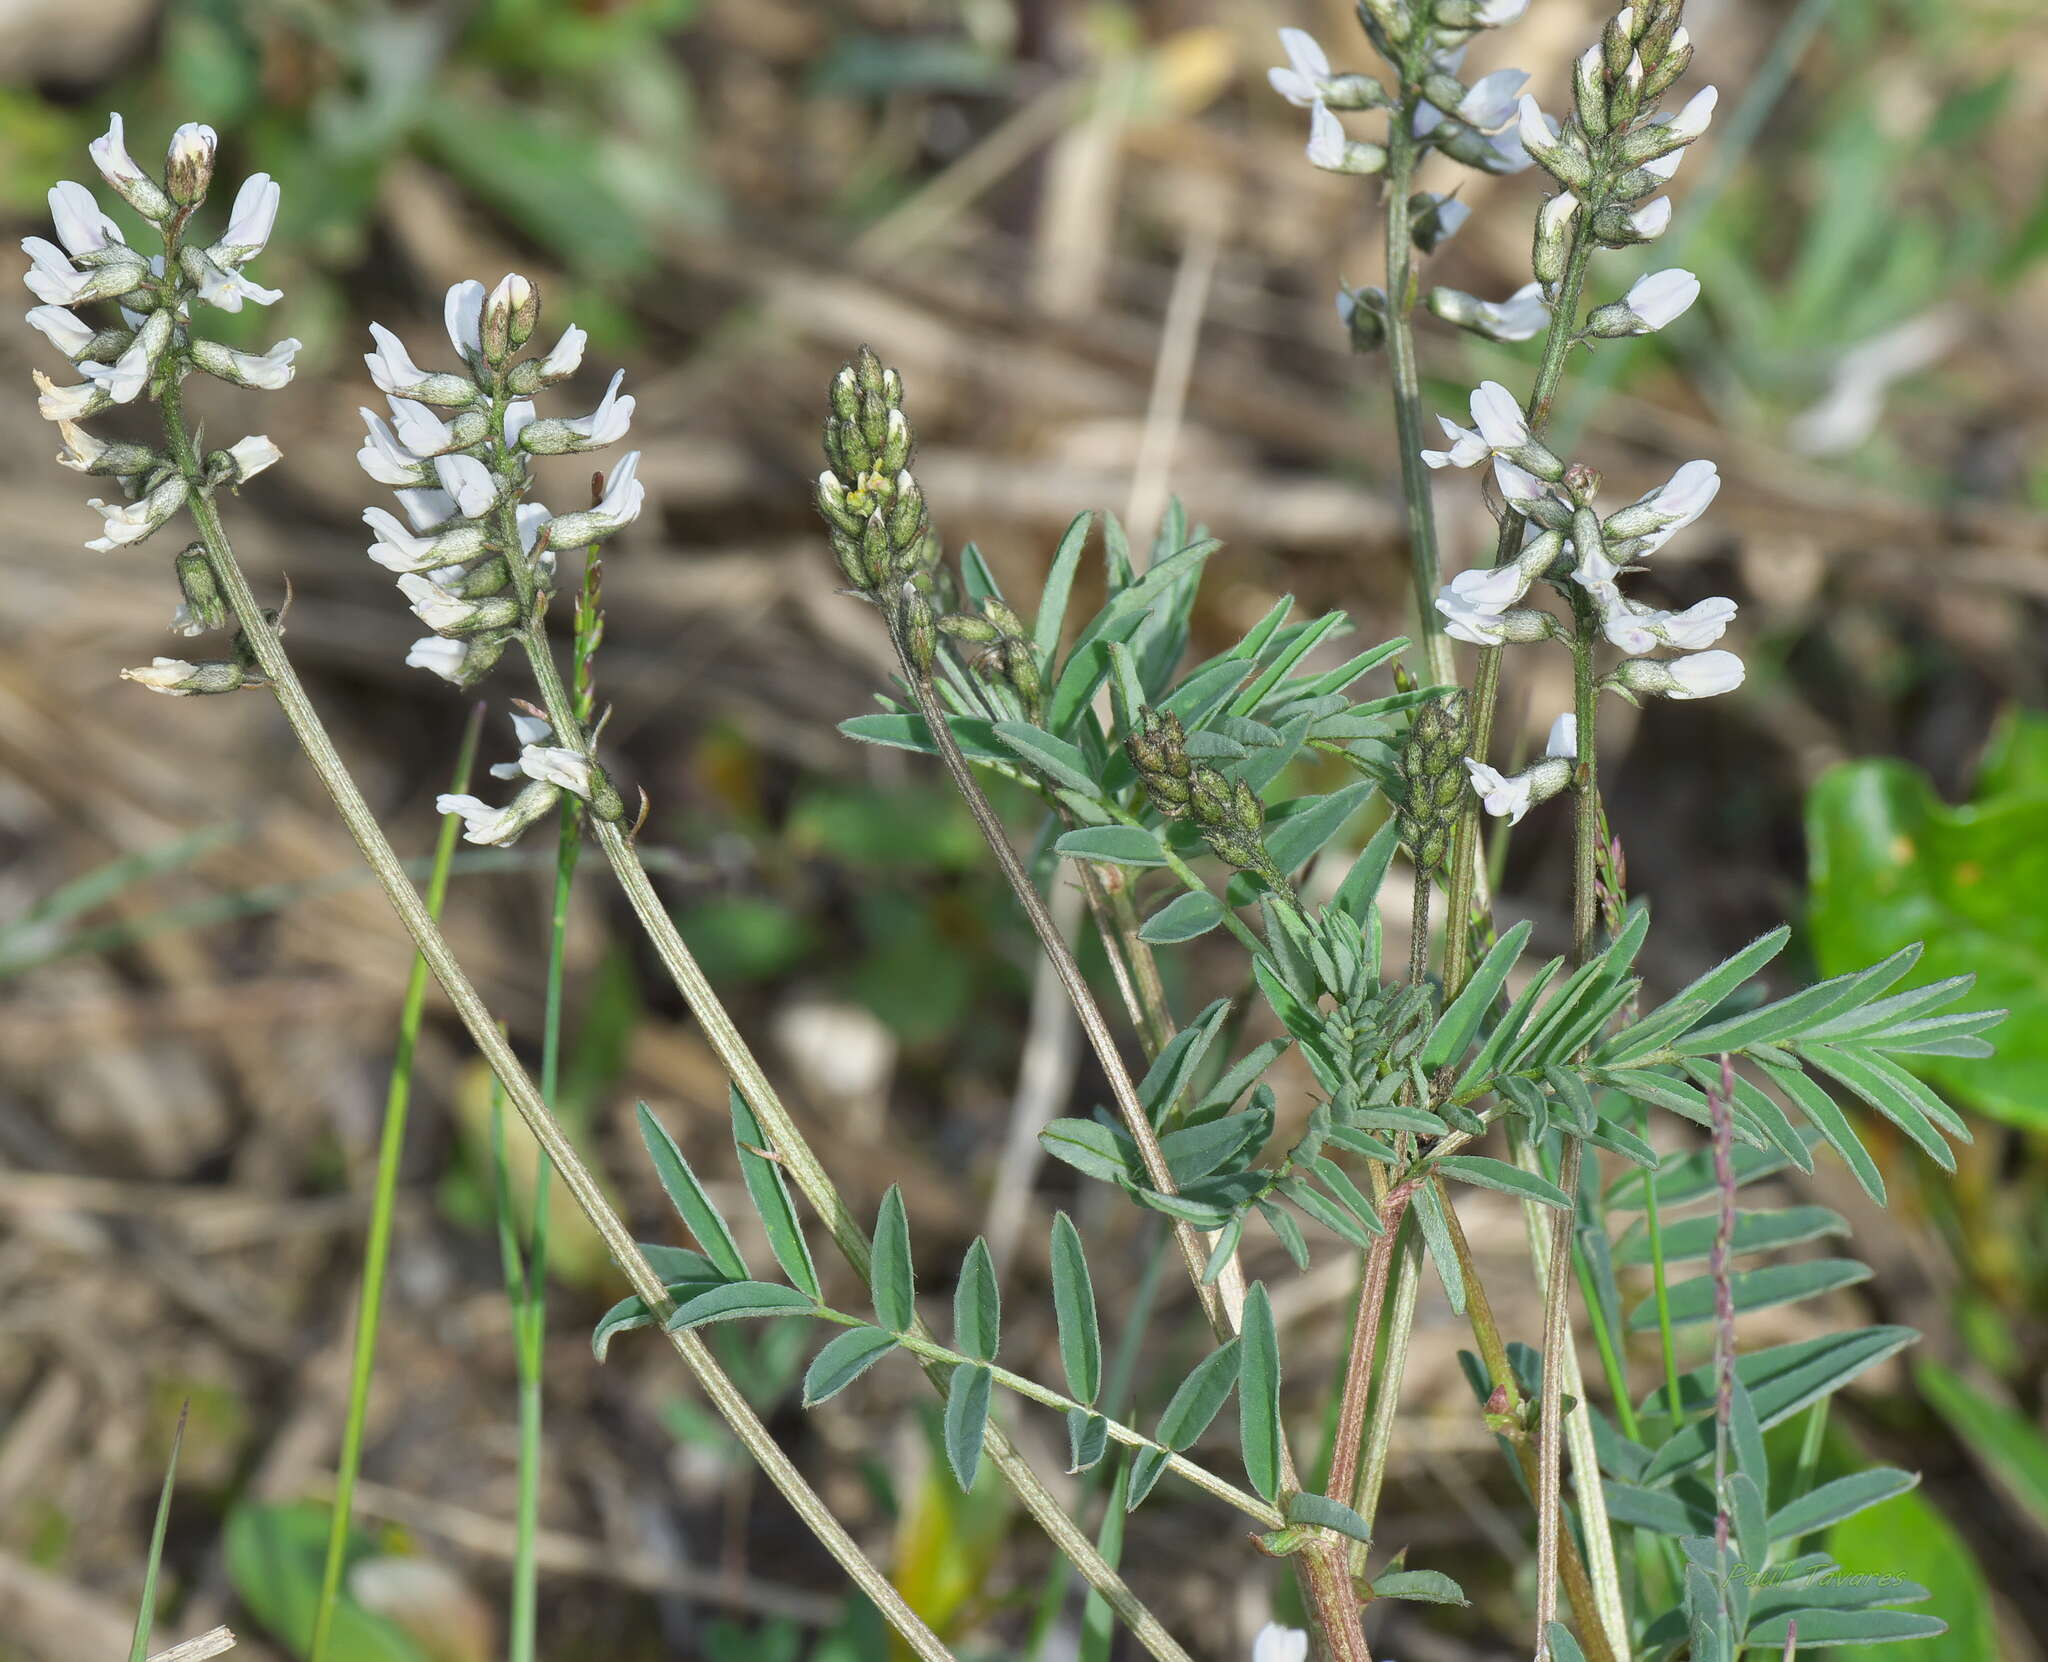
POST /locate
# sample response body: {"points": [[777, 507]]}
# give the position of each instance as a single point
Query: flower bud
{"points": [[510, 314], [1625, 101], [1554, 238], [179, 679], [1386, 21], [188, 169], [1433, 219], [204, 607], [1589, 91], [1663, 75], [916, 628], [1363, 314]]}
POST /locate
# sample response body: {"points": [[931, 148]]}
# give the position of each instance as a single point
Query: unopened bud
{"points": [[180, 679], [189, 166], [1363, 314], [204, 607], [510, 313], [1554, 238]]}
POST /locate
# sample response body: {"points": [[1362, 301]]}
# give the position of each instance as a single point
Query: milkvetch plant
{"points": [[1658, 1527]]}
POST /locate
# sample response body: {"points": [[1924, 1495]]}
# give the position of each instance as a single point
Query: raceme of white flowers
{"points": [[473, 556], [142, 341], [1610, 157]]}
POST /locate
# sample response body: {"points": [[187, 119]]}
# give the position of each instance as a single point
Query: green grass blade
{"points": [[145, 1614]]}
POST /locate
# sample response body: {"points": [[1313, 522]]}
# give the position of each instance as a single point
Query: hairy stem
{"points": [[1365, 1327], [405, 900], [1557, 1335]]}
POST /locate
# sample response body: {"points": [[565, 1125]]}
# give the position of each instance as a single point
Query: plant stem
{"points": [[1220, 1310], [1379, 1438], [1365, 1327], [1406, 388], [383, 1210], [1557, 1334], [405, 900]]}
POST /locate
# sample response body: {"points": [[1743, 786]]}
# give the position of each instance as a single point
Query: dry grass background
{"points": [[1091, 304]]}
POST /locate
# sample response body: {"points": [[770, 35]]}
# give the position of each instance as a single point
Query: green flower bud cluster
{"points": [[1008, 654], [1227, 812], [1432, 768], [881, 532]]}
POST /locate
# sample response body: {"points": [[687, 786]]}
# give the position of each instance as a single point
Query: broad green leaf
{"points": [[1059, 761], [1837, 1627], [843, 1361], [1073, 1301], [770, 1195], [1092, 1148], [1295, 840], [1424, 1586], [892, 1273], [1200, 1397], [1843, 1498], [1754, 1232], [901, 730], [1183, 919], [2006, 1443], [1760, 1289], [703, 1220], [1656, 1509], [1059, 583], [1258, 1393], [966, 1421], [1781, 1380], [1455, 1028], [1890, 864], [1911, 1537], [1563, 1647], [1087, 1439], [1308, 1507], [1195, 1151], [977, 1305], [1498, 1174], [734, 1300], [1116, 845]]}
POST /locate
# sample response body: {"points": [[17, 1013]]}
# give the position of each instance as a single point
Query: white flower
{"points": [[226, 288], [128, 374], [1554, 218], [391, 366], [82, 227], [382, 457], [1536, 130], [1327, 143], [1510, 796], [566, 356], [249, 223], [1659, 515], [1498, 417], [1482, 626], [1280, 1644], [1308, 68], [52, 277], [1700, 624], [1523, 491], [1451, 215], [427, 509], [1492, 101], [265, 370], [252, 455], [1652, 219], [397, 549], [519, 415], [1661, 297], [132, 521], [1703, 675], [1564, 738], [469, 482], [81, 450], [433, 605], [1522, 316], [531, 517], [623, 496], [1497, 14], [463, 312], [1663, 167], [188, 164], [481, 821], [55, 403], [445, 658], [1500, 794], [164, 675], [1493, 589], [68, 333], [553, 765], [418, 428], [607, 424], [110, 155], [1467, 447], [1692, 121]]}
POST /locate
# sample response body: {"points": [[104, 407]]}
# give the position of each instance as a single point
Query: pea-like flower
{"points": [[1652, 302], [1522, 316], [498, 827], [619, 507], [1703, 675], [132, 521], [1280, 1644]]}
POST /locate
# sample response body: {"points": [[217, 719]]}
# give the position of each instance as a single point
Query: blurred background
{"points": [[1087, 236]]}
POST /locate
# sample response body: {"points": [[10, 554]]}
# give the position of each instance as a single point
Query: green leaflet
{"points": [[1498, 1174], [734, 1300], [893, 1278], [1073, 1299], [770, 1195], [1308, 1507], [1258, 1393], [1060, 762], [1183, 919], [977, 1305], [1059, 583], [705, 1223], [1116, 845], [1455, 1028], [967, 1395], [843, 1361]]}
